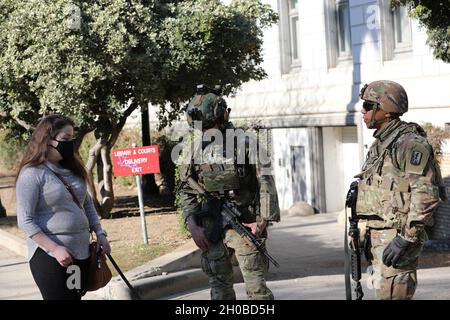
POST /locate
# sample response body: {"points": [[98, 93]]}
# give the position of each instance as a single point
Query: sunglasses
{"points": [[369, 105]]}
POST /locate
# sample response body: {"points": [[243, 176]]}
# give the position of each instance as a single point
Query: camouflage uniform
{"points": [[256, 197], [398, 190]]}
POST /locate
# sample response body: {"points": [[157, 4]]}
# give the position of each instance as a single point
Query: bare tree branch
{"points": [[24, 124], [107, 191], [133, 106]]}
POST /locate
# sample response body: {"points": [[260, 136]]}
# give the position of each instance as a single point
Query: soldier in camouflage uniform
{"points": [[399, 188], [246, 184]]}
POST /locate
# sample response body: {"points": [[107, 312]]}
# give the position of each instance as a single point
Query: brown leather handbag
{"points": [[99, 273]]}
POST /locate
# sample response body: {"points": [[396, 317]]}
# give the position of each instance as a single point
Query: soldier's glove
{"points": [[395, 250]]}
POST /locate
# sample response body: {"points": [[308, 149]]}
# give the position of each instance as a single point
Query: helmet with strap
{"points": [[207, 106], [386, 95]]}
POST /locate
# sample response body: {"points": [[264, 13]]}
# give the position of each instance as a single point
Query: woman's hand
{"points": [[103, 243], [63, 256]]}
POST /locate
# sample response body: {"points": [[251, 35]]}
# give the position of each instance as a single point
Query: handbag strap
{"points": [[75, 199]]}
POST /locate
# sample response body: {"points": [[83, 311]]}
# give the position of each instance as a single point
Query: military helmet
{"points": [[390, 95], [207, 106]]}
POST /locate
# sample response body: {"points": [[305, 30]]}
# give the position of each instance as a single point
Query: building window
{"points": [[289, 34], [338, 31], [395, 30], [343, 27], [294, 31], [401, 29]]}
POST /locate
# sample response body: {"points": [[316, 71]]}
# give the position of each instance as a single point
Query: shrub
{"points": [[436, 137], [11, 150]]}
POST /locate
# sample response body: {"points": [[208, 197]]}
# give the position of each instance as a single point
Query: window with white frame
{"points": [[337, 21], [343, 27], [401, 29], [396, 33], [294, 31], [289, 34]]}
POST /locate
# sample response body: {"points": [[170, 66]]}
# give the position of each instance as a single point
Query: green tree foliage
{"points": [[125, 54], [434, 15]]}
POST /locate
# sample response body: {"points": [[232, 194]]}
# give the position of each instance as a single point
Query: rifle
{"points": [[352, 196], [230, 214]]}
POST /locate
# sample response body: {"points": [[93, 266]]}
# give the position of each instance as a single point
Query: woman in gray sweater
{"points": [[57, 220]]}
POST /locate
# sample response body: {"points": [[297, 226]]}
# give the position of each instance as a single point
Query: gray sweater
{"points": [[45, 205]]}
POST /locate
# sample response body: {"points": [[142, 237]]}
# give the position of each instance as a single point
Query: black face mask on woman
{"points": [[65, 149]]}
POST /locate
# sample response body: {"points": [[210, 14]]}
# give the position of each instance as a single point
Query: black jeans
{"points": [[52, 278]]}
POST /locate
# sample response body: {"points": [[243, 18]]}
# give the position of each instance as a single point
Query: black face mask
{"points": [[65, 149]]}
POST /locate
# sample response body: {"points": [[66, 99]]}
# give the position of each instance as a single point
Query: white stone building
{"points": [[317, 58]]}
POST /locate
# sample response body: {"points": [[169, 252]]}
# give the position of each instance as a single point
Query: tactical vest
{"points": [[384, 193], [222, 174], [217, 172]]}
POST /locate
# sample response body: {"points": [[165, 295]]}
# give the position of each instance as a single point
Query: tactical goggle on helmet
{"points": [[207, 106]]}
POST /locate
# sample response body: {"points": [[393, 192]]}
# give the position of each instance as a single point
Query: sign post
{"points": [[141, 205], [137, 161]]}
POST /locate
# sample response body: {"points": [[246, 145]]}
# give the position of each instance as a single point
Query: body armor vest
{"points": [[384, 194], [222, 174], [217, 172]]}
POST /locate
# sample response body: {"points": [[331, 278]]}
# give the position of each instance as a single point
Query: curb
{"points": [[184, 257], [155, 287], [162, 286], [166, 275]]}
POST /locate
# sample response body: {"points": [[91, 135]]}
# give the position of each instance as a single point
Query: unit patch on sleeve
{"points": [[416, 156]]}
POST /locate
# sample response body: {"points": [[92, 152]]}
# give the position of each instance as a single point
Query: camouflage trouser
{"points": [[216, 263], [393, 283]]}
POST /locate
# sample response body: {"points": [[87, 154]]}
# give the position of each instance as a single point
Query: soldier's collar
{"points": [[386, 131]]}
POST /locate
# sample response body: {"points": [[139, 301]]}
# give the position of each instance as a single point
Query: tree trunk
{"points": [[106, 134], [107, 191], [94, 152], [99, 170], [100, 155]]}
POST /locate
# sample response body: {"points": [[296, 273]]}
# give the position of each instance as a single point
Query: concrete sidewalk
{"points": [[16, 281], [311, 256]]}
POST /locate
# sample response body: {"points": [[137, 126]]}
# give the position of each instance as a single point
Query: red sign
{"points": [[134, 161]]}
